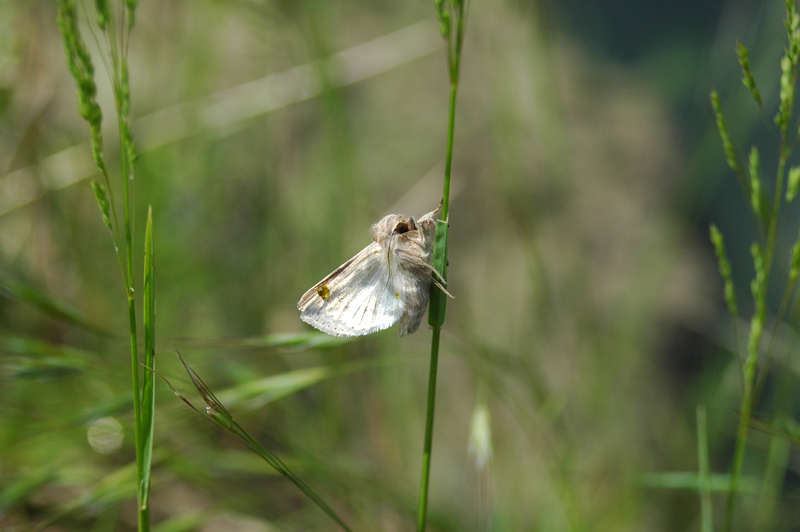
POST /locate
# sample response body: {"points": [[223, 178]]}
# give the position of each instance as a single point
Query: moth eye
{"points": [[324, 292], [404, 227]]}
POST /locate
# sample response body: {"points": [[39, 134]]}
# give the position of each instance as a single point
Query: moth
{"points": [[387, 282]]}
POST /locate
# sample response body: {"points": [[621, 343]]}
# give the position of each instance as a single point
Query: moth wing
{"points": [[361, 296]]}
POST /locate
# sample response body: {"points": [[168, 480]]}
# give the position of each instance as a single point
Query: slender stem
{"points": [[120, 92], [741, 445], [451, 125], [706, 520], [437, 327], [451, 17], [426, 453], [751, 361]]}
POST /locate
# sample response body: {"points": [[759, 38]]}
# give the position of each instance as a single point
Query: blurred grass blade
{"points": [[785, 428], [299, 341], [218, 414], [148, 391], [184, 522], [773, 480], [704, 480], [40, 360], [689, 480], [20, 488], [228, 111], [257, 393], [15, 289], [109, 492], [40, 368], [29, 346]]}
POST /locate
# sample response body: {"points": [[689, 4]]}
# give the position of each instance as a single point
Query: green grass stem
{"points": [[80, 66], [706, 521], [451, 15], [763, 252]]}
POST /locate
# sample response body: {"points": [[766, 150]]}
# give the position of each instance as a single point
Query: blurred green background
{"points": [[588, 317]]}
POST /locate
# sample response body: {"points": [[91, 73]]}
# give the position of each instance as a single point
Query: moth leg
{"points": [[442, 288], [420, 267], [417, 262]]}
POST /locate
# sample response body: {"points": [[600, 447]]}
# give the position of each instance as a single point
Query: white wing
{"points": [[362, 296]]}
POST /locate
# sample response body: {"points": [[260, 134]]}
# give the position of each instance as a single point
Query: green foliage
{"points": [[269, 136], [80, 66], [764, 250]]}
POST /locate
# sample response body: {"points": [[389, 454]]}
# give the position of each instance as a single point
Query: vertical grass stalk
{"points": [[452, 18], [768, 219], [706, 521], [117, 33]]}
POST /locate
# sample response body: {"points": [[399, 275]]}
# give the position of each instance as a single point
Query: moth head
{"points": [[392, 225]]}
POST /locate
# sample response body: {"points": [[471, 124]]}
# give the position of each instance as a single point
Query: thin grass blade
{"points": [[690, 480], [257, 393], [48, 305], [218, 414], [37, 359], [19, 489], [704, 480], [148, 390]]}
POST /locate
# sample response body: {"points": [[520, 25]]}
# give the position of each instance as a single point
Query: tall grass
{"points": [[115, 24], [767, 217], [452, 20], [574, 293]]}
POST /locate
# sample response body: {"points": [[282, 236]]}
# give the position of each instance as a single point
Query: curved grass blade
{"points": [[48, 305], [219, 415]]}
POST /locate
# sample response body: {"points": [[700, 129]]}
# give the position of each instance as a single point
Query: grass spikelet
{"points": [[101, 195], [216, 412], [747, 76], [727, 145], [765, 249], [794, 183], [725, 270], [80, 65], [756, 198]]}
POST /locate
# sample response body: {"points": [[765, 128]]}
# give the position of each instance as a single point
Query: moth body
{"points": [[387, 282]]}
